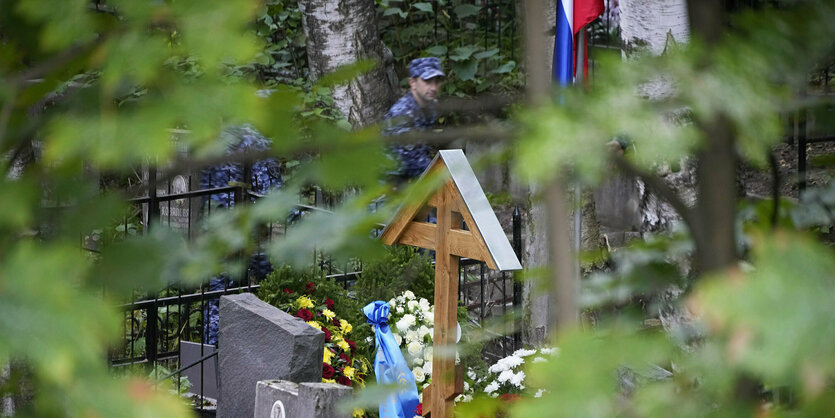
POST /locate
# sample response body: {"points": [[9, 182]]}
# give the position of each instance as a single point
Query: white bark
{"points": [[652, 26], [646, 23], [341, 32]]}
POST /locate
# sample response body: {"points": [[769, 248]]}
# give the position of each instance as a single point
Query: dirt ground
{"points": [[757, 181]]}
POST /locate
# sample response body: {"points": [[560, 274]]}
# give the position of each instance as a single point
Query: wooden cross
{"points": [[459, 202]]}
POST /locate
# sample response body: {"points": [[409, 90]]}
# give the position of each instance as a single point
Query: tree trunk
{"points": [[625, 207], [646, 23], [714, 235], [342, 32]]}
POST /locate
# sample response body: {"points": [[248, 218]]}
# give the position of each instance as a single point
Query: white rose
{"points": [[399, 309], [391, 303], [422, 331], [398, 339], [424, 304], [413, 347], [427, 368], [417, 361], [427, 354], [408, 320], [412, 335], [419, 375], [412, 305], [408, 294], [429, 317]]}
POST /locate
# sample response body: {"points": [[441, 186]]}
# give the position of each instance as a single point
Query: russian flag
{"points": [[572, 15]]}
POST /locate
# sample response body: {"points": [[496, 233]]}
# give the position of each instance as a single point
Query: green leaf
{"points": [[487, 54], [466, 10], [436, 50], [424, 7], [463, 53], [777, 319], [395, 11], [346, 73], [465, 70], [505, 68]]}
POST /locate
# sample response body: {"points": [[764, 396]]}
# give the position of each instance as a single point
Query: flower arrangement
{"points": [[412, 322], [323, 305], [340, 362], [506, 379]]}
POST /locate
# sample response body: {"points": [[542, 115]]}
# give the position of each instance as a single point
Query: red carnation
{"points": [[286, 290], [351, 344], [327, 371], [305, 314], [510, 397], [329, 303], [327, 334], [342, 380], [310, 287], [344, 357], [336, 322], [419, 409]]}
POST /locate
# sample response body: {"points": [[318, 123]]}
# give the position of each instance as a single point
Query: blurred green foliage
{"points": [[88, 86]]}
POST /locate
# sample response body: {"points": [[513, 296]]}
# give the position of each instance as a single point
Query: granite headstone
{"points": [[257, 341]]}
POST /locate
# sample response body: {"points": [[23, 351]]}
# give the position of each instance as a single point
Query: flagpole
{"points": [[578, 204]]}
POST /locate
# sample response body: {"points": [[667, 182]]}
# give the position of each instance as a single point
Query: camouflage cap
{"points": [[425, 68]]}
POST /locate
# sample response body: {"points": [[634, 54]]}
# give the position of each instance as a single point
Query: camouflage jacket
{"points": [[404, 116]]}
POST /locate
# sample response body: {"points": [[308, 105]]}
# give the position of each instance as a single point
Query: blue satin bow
{"points": [[390, 366]]}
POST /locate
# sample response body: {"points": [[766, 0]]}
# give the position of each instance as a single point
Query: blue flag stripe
{"points": [[563, 66]]}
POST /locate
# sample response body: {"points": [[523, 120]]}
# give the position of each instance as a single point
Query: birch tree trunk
{"points": [[625, 207], [646, 23], [341, 32]]}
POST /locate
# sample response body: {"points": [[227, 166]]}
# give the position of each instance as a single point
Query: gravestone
{"points": [[257, 341], [203, 375], [299, 400]]}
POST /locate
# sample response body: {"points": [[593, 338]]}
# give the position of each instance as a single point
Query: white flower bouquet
{"points": [[412, 323], [508, 376]]}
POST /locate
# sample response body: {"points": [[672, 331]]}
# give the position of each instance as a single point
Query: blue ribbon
{"points": [[390, 366]]}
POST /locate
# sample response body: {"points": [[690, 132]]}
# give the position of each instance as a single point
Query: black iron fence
{"points": [[160, 328]]}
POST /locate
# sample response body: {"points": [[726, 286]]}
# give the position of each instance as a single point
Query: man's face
{"points": [[425, 91]]}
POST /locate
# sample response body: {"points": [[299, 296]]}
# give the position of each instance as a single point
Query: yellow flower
{"points": [[314, 324], [304, 302], [328, 314], [343, 345], [358, 413], [346, 327], [328, 380], [328, 356], [349, 372]]}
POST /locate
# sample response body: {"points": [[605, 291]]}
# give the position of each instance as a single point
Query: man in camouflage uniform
{"points": [[415, 110]]}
